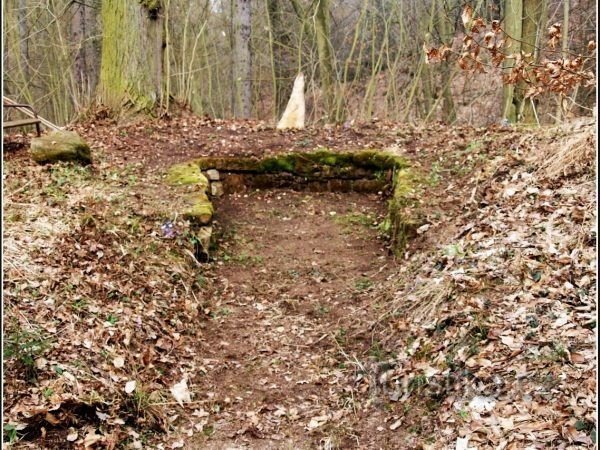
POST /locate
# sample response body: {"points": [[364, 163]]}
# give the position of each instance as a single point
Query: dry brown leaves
{"points": [[94, 299], [493, 318], [496, 329], [487, 45]]}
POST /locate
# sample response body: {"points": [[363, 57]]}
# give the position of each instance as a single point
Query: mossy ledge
{"points": [[403, 214], [321, 163]]}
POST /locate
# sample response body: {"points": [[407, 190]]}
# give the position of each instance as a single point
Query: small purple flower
{"points": [[168, 230]]}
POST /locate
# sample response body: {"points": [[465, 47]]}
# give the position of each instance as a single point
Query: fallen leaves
{"points": [[130, 386], [181, 392], [517, 320], [491, 320]]}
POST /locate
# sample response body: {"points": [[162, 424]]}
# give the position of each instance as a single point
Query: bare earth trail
{"points": [[296, 273]]}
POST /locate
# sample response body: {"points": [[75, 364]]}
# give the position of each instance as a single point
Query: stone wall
{"points": [[202, 179]]}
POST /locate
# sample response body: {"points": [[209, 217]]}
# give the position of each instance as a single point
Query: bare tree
{"points": [[325, 53], [280, 41], [86, 60], [532, 14], [243, 58], [132, 55], [23, 37], [513, 26], [361, 58]]}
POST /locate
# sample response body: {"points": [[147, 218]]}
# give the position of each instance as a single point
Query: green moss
{"points": [[185, 174], [200, 210], [130, 71], [230, 164], [325, 157], [60, 146], [152, 5], [403, 218], [322, 163], [307, 164], [284, 163]]}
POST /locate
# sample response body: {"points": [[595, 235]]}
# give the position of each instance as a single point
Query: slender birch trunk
{"points": [[23, 37]]}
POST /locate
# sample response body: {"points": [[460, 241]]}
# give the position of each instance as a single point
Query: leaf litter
{"points": [[482, 335]]}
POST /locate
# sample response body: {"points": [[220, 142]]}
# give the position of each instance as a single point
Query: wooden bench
{"points": [[23, 122]]}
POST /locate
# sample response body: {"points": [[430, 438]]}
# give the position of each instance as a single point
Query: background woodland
{"points": [[363, 59]]}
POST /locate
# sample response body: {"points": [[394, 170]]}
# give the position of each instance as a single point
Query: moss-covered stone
{"points": [[152, 5], [403, 218], [364, 170], [318, 164], [199, 209], [204, 236], [60, 146], [186, 174], [333, 163]]}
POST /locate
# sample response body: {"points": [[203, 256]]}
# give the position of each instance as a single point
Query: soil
{"points": [[295, 279]]}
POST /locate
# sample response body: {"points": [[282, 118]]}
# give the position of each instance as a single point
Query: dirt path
{"points": [[296, 275]]}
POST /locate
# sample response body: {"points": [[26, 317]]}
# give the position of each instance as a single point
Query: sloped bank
{"points": [[201, 179]]}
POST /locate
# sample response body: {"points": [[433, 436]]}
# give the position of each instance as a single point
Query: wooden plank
{"points": [[26, 111], [20, 123]]}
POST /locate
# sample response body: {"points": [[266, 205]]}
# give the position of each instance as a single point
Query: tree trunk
{"points": [[23, 38], [243, 59], [561, 110], [132, 55], [282, 56], [426, 105], [513, 15], [325, 57], [92, 43], [532, 10], [86, 50], [446, 35]]}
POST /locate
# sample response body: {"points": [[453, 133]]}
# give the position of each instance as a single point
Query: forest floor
{"points": [[304, 331]]}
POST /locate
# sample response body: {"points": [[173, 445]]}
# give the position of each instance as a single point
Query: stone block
{"points": [[60, 146], [200, 209], [216, 189], [186, 174], [213, 175]]}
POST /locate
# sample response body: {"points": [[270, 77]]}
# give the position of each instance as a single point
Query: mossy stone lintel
{"points": [[307, 164]]}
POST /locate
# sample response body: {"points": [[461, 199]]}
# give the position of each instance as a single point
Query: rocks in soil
{"points": [[212, 175], [187, 174], [202, 246], [200, 209], [60, 146], [216, 189]]}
